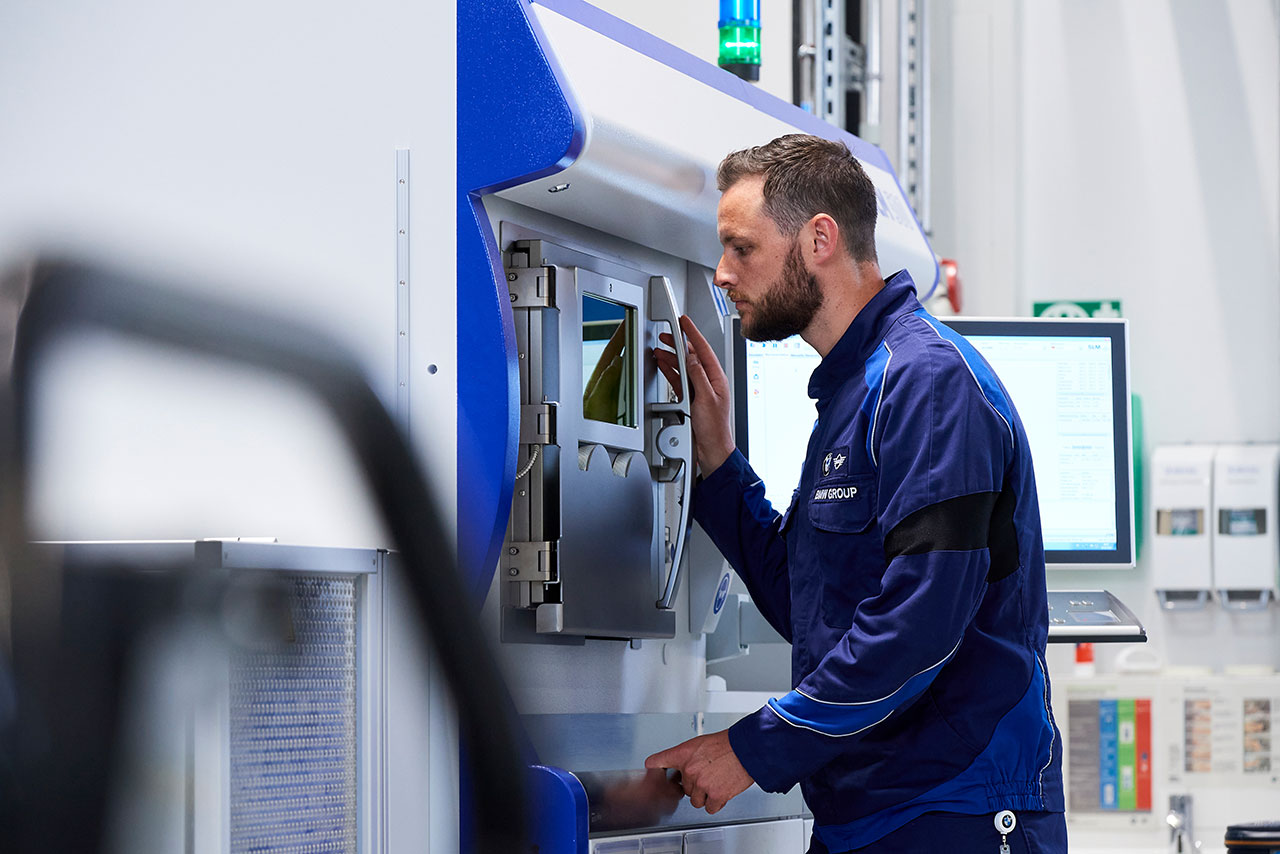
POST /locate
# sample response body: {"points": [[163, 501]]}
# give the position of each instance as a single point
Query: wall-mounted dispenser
{"points": [[1246, 551], [1182, 548]]}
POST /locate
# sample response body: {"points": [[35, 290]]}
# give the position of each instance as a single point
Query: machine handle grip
{"points": [[675, 440]]}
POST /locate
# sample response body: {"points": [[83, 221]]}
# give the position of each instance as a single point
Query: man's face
{"points": [[761, 268]]}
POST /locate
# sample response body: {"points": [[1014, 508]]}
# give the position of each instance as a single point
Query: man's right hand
{"points": [[712, 401]]}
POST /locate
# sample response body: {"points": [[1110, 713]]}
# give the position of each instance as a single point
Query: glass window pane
{"points": [[609, 344]]}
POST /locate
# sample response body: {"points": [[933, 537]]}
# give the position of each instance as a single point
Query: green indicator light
{"points": [[739, 45]]}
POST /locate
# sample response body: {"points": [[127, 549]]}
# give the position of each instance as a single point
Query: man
{"points": [[908, 572]]}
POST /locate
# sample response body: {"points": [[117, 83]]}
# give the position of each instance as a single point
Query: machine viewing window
{"points": [[608, 362], [1069, 382]]}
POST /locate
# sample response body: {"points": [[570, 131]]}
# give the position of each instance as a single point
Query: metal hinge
{"points": [[532, 287], [530, 561], [538, 424]]}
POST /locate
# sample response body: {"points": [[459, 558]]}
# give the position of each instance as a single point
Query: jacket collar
{"points": [[896, 298]]}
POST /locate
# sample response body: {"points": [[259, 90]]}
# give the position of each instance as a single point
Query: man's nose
{"points": [[722, 279]]}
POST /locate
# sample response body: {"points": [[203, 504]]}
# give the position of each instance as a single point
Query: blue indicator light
{"points": [[743, 13]]}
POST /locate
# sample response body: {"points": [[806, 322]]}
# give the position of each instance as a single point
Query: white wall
{"points": [[250, 148], [1150, 160], [1096, 149], [977, 148], [1152, 164]]}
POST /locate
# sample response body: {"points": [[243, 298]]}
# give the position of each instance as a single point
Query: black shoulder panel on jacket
{"points": [[964, 523]]}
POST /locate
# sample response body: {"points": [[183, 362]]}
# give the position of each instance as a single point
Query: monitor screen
{"points": [[1068, 379]]}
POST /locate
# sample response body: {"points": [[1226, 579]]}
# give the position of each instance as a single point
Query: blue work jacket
{"points": [[908, 575]]}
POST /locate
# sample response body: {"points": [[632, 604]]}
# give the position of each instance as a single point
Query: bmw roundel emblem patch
{"points": [[833, 462], [722, 593]]}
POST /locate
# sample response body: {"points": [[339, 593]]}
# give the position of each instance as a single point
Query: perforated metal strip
{"points": [[293, 729]]}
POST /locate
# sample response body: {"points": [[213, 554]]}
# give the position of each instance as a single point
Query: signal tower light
{"points": [[740, 38]]}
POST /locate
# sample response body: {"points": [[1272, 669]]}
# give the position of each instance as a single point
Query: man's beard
{"points": [[787, 308]]}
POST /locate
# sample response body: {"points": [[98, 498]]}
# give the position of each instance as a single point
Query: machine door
{"points": [[599, 513]]}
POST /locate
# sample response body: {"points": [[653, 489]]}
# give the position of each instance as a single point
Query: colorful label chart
{"points": [[1110, 754]]}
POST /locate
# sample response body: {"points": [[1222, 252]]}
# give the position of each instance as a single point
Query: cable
{"points": [[533, 459]]}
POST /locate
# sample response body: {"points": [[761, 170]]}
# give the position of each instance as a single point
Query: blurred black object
{"points": [[1256, 837], [73, 633]]}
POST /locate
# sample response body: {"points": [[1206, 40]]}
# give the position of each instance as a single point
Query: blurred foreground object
{"points": [[78, 631]]}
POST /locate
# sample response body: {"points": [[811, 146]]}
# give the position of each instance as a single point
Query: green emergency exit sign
{"points": [[1077, 308]]}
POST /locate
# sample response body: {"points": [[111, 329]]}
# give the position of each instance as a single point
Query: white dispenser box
{"points": [[1246, 550], [1182, 547]]}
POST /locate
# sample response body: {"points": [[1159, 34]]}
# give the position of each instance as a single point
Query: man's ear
{"points": [[823, 237]]}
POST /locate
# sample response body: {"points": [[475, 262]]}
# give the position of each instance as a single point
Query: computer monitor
{"points": [[1069, 380]]}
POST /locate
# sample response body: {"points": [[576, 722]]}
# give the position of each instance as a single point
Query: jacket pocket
{"points": [[847, 552], [847, 507]]}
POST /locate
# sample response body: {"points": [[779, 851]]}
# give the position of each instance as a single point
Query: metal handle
{"points": [[674, 442]]}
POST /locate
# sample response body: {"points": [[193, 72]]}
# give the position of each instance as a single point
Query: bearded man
{"points": [[908, 577]]}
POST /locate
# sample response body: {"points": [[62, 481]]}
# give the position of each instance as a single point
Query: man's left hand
{"points": [[709, 770]]}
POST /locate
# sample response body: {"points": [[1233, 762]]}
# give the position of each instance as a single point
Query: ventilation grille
{"points": [[293, 729]]}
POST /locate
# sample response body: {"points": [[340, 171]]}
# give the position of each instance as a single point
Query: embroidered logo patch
{"points": [[835, 462], [835, 493]]}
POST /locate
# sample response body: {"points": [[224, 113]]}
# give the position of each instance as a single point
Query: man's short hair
{"points": [[807, 175]]}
